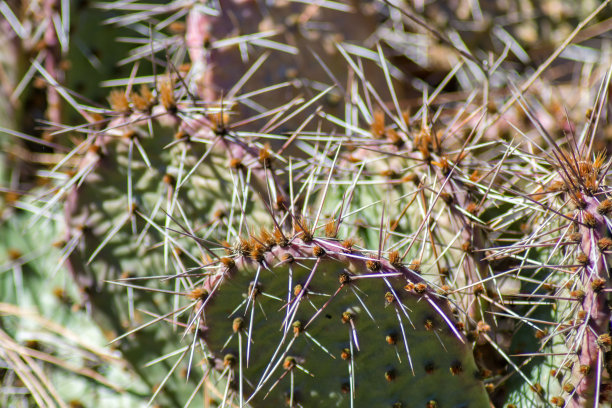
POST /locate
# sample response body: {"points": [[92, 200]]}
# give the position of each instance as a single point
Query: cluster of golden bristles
{"points": [[125, 103]]}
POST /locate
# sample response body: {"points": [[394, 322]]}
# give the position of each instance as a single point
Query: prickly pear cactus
{"points": [[571, 366], [313, 322], [475, 269]]}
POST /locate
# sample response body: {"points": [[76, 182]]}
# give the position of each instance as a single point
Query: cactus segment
{"points": [[312, 324]]}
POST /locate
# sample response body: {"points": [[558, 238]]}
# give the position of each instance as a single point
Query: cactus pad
{"points": [[313, 324]]}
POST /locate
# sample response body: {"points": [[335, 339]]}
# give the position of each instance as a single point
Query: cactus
{"points": [[576, 348], [134, 173], [308, 320], [52, 353], [337, 221]]}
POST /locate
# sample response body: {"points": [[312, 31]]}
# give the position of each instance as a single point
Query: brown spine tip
{"points": [[537, 388], [166, 96], [267, 238], [257, 253], [582, 259], [198, 294], [374, 265], [604, 244], [297, 289], [347, 317], [238, 324], [557, 401], [301, 226], [287, 258], [348, 244], [598, 284], [118, 101], [144, 100], [395, 259], [456, 367], [377, 127], [390, 375], [428, 324], [344, 278], [265, 157], [589, 220], [330, 229], [318, 251], [289, 363], [391, 339], [420, 288], [605, 207], [604, 341], [236, 164], [229, 360], [228, 263]]}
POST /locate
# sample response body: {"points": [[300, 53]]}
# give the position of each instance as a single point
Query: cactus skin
{"points": [[333, 280]]}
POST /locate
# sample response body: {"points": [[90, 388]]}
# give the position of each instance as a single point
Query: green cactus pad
{"points": [[377, 337]]}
